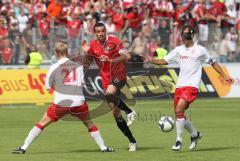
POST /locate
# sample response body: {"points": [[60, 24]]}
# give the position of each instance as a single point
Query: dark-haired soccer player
{"points": [[111, 56], [67, 78], [190, 57]]}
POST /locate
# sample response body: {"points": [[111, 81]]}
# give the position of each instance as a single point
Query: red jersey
{"points": [[118, 20], [6, 54], [112, 48], [73, 28], [44, 27]]}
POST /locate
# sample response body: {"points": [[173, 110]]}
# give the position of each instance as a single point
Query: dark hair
{"points": [[98, 24], [191, 29]]}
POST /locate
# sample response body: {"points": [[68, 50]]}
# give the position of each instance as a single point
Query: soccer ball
{"points": [[166, 123]]}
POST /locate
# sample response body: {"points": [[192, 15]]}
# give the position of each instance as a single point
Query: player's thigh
{"points": [[115, 86], [45, 121], [56, 112], [81, 112], [116, 112], [181, 105], [111, 89]]}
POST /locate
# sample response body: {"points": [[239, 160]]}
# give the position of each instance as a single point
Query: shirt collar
{"points": [[62, 60]]}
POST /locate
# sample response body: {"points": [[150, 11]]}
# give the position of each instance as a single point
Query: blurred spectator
{"points": [[147, 28], [27, 37], [33, 59], [73, 30], [14, 38], [164, 8], [216, 10], [151, 47], [6, 52], [232, 38], [3, 32], [44, 27], [22, 21], [232, 14], [202, 17], [164, 33], [118, 19], [160, 52], [110, 26], [182, 16], [40, 9], [139, 45], [224, 50], [88, 26], [54, 9], [132, 20]]}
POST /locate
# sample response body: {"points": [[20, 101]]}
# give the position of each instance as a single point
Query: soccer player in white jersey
{"points": [[190, 57], [67, 78]]}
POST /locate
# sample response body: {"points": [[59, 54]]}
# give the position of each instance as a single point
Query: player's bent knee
{"points": [[92, 128], [180, 114], [116, 112], [40, 126], [111, 98]]}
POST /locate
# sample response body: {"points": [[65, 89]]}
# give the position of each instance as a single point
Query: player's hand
{"points": [[229, 79], [85, 46], [104, 58], [148, 59]]}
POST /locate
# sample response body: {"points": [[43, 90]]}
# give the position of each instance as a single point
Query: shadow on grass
{"points": [[212, 149], [146, 148], [70, 151]]}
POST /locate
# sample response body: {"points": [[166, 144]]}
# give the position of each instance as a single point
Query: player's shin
{"points": [[123, 106], [180, 123], [190, 128], [95, 134], [33, 134], [122, 125]]}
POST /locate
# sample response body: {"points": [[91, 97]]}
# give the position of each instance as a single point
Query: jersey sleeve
{"points": [[49, 79], [122, 49], [80, 75], [90, 52], [172, 56], [206, 57]]}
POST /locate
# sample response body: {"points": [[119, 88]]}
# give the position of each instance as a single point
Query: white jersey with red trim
{"points": [[190, 61], [67, 79]]}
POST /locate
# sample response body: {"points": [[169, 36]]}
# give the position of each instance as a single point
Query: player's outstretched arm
{"points": [[122, 58], [219, 70], [86, 58], [155, 61]]}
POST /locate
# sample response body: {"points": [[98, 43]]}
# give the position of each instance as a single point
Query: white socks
{"points": [[33, 134], [189, 127], [98, 139], [181, 124], [180, 128]]}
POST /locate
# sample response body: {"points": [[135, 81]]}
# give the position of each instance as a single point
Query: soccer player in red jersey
{"points": [[111, 56], [67, 78], [190, 57]]}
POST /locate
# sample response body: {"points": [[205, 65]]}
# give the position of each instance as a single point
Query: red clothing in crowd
{"points": [[135, 20], [6, 55], [3, 35], [118, 20], [73, 28], [44, 27]]}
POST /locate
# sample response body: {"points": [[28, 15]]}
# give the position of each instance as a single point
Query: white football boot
{"points": [[131, 117]]}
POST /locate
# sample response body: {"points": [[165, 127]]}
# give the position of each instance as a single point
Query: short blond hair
{"points": [[61, 49]]}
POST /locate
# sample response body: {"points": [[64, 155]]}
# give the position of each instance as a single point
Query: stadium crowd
{"points": [[147, 24]]}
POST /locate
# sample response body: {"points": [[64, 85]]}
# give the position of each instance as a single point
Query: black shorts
{"points": [[119, 84]]}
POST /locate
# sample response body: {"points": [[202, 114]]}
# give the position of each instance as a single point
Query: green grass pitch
{"points": [[217, 119]]}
